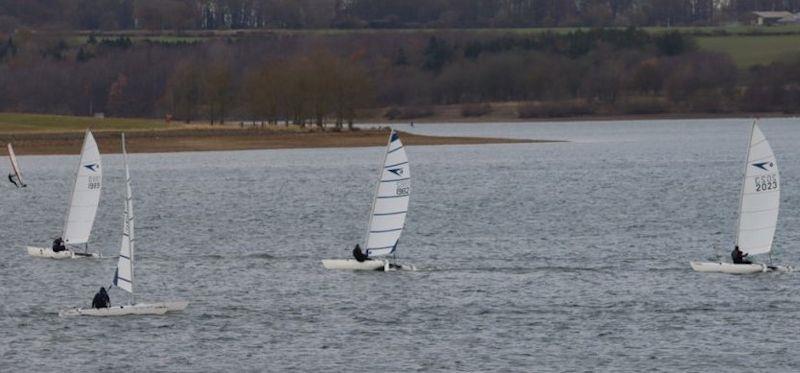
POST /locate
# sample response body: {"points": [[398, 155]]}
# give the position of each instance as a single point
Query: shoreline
{"points": [[506, 112], [225, 139]]}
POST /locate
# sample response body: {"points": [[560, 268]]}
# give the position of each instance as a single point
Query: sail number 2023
{"points": [[94, 182], [766, 182]]}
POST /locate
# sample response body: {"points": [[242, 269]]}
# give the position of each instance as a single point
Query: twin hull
{"points": [[134, 309], [367, 265], [738, 269], [46, 252]]}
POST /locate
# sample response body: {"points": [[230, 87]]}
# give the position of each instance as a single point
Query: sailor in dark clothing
{"points": [[101, 299], [13, 179], [360, 256], [58, 245], [738, 256]]}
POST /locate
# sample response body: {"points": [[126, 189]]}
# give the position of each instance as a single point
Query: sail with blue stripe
{"points": [[390, 203]]}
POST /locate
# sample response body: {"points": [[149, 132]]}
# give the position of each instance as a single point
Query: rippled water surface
{"points": [[534, 257]]}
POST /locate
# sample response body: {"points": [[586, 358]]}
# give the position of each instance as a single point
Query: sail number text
{"points": [[94, 182], [766, 182], [403, 189]]}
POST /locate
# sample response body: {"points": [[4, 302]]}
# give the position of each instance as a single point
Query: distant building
{"points": [[773, 18], [794, 19]]}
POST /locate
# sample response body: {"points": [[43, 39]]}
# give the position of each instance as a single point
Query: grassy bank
{"points": [[17, 122], [49, 134]]}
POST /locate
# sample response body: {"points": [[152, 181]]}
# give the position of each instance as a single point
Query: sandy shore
{"points": [[181, 140]]}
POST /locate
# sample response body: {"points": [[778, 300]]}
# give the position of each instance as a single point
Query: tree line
{"points": [[316, 14], [319, 79]]}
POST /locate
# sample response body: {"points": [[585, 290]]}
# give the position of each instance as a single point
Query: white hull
{"points": [[46, 252], [738, 269], [368, 265], [159, 308]]}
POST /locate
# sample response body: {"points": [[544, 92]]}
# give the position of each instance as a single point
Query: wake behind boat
{"points": [[759, 204], [387, 216], [123, 276], [82, 208]]}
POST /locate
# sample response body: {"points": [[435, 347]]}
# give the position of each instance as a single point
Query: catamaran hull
{"points": [[738, 269], [368, 265], [135, 309], [46, 252]]}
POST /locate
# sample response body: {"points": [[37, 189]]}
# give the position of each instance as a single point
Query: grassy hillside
{"points": [[747, 51]]}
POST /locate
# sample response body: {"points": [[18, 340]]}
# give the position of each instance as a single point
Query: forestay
{"points": [[390, 205], [85, 194], [123, 277], [14, 164], [758, 208]]}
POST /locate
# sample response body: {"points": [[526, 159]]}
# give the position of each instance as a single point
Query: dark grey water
{"points": [[534, 257]]}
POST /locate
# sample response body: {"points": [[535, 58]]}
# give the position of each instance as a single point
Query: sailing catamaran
{"points": [[758, 209], [16, 176], [123, 276], [82, 207], [388, 213]]}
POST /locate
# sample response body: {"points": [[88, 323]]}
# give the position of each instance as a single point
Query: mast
{"points": [[375, 194], [744, 181], [128, 212]]}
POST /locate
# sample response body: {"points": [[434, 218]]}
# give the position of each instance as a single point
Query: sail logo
{"points": [[397, 171], [92, 167], [764, 165]]}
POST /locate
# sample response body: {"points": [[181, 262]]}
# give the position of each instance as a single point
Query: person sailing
{"points": [[13, 179], [359, 255], [738, 256], [101, 299], [58, 245]]}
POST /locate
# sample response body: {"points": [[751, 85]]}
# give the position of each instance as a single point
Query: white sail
{"points": [[15, 165], [390, 205], [85, 194], [758, 208], [123, 277]]}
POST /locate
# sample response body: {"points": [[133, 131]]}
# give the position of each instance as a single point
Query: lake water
{"points": [[533, 257]]}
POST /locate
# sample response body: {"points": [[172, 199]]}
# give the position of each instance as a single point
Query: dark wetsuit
{"points": [[738, 257], [101, 299], [58, 245], [13, 180], [359, 255]]}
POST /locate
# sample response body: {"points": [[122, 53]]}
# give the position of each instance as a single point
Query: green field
{"points": [[747, 45], [748, 51], [15, 122]]}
